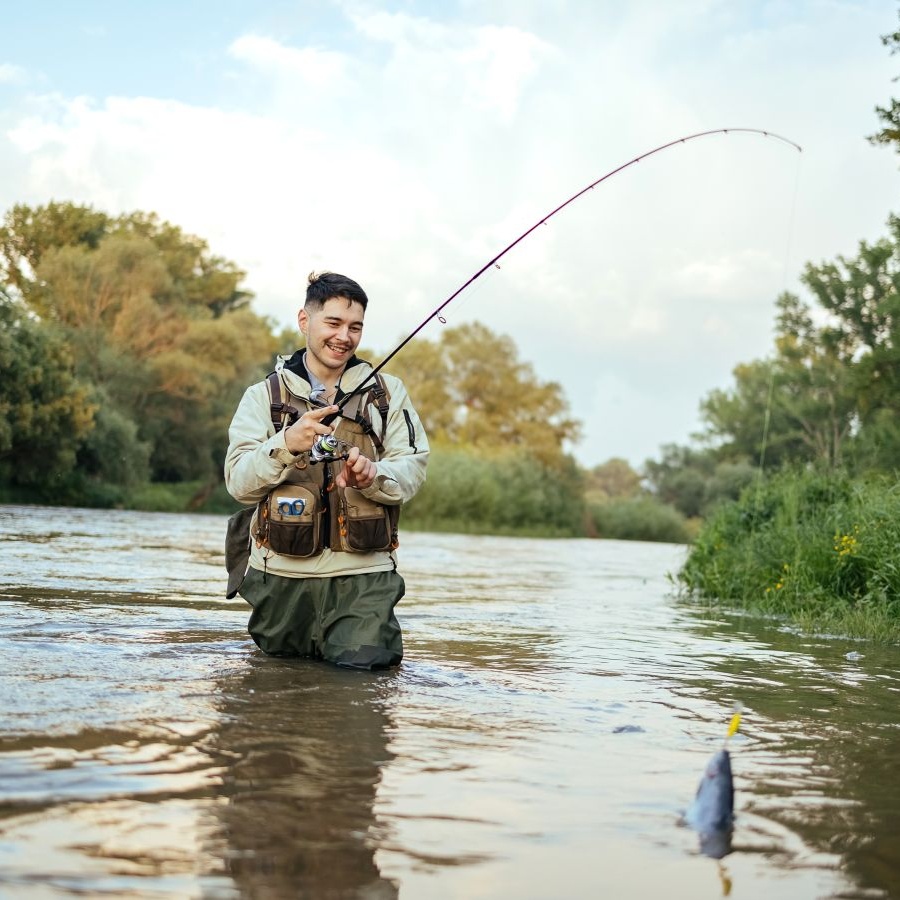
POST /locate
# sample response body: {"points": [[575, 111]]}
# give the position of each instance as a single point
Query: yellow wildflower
{"points": [[846, 544]]}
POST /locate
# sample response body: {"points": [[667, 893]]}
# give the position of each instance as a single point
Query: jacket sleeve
{"points": [[257, 457], [401, 471]]}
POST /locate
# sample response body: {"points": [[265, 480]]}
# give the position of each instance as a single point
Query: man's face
{"points": [[333, 332]]}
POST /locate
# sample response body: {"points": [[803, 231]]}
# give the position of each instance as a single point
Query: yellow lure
{"points": [[735, 721]]}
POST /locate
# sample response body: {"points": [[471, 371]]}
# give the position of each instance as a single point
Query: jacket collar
{"points": [[298, 382]]}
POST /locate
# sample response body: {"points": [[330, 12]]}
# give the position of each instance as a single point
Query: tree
{"points": [[198, 386], [862, 295], [797, 406], [158, 331], [196, 278], [26, 234], [681, 476], [695, 480], [889, 115], [612, 480], [471, 388], [44, 410]]}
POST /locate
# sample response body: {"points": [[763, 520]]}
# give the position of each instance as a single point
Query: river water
{"points": [[550, 722]]}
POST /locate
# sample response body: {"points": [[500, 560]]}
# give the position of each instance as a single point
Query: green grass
{"points": [[502, 493], [473, 526], [818, 549], [185, 496]]}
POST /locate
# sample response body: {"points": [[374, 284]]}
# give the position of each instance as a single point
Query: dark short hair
{"points": [[325, 285]]}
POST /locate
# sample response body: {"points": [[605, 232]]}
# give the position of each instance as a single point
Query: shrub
{"points": [[817, 547], [641, 518], [507, 493]]}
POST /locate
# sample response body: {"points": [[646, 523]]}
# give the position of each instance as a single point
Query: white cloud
{"points": [[11, 74], [275, 196], [723, 277], [485, 67], [314, 66]]}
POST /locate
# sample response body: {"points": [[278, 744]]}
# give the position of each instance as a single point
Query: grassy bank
{"points": [[818, 549]]}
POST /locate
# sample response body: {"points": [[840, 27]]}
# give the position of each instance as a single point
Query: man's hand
{"points": [[303, 433], [358, 472]]}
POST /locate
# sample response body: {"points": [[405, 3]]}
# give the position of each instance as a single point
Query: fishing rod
{"points": [[436, 313]]}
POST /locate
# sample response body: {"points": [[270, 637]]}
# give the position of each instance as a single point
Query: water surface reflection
{"points": [[303, 748]]}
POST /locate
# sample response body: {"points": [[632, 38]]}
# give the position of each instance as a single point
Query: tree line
{"points": [[125, 345], [828, 395]]}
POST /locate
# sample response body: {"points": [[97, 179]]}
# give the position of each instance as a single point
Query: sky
{"points": [[406, 144]]}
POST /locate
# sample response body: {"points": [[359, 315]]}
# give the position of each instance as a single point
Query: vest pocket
{"points": [[365, 525], [290, 521]]}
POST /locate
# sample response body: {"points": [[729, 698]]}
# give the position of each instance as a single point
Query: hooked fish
{"points": [[713, 807], [711, 814]]}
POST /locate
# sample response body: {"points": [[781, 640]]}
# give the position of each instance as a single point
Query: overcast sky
{"points": [[406, 143]]}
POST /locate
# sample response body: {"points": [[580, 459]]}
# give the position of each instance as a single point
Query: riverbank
{"points": [[818, 549]]}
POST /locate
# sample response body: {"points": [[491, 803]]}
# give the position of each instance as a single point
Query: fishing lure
{"points": [[735, 721]]}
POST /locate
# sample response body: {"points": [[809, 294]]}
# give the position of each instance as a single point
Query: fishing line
{"points": [[477, 290], [436, 313], [770, 393]]}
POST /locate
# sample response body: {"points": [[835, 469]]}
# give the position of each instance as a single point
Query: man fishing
{"points": [[327, 449]]}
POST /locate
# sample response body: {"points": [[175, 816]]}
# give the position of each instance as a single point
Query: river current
{"points": [[551, 720]]}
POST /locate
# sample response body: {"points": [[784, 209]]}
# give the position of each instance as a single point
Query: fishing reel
{"points": [[327, 448]]}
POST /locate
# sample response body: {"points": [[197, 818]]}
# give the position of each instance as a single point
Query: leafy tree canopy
{"points": [[157, 330], [612, 480], [44, 410], [890, 114], [830, 394], [470, 387], [196, 278]]}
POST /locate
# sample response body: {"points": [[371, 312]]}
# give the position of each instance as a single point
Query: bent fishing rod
{"points": [[436, 313]]}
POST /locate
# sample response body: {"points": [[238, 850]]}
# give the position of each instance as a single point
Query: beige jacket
{"points": [[258, 460]]}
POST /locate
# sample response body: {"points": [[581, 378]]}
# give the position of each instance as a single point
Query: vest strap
{"points": [[354, 410], [278, 410]]}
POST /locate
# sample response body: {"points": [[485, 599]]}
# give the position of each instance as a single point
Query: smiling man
{"points": [[322, 576]]}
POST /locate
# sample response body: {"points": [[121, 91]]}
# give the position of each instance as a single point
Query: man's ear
{"points": [[302, 320]]}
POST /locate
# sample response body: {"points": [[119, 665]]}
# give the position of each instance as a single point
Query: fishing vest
{"points": [[308, 512]]}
